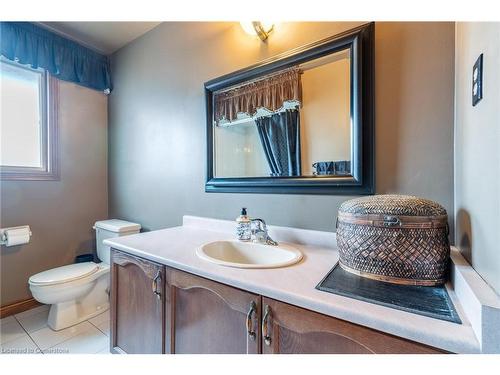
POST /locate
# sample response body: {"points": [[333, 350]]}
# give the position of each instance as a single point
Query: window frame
{"points": [[49, 132]]}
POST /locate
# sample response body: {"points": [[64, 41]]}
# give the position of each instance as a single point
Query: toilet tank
{"points": [[105, 229]]}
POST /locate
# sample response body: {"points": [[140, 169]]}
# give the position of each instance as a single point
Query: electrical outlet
{"points": [[477, 80]]}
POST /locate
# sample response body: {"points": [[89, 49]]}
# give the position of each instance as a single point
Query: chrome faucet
{"points": [[259, 232]]}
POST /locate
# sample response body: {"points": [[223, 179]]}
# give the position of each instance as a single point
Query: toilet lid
{"points": [[64, 274]]}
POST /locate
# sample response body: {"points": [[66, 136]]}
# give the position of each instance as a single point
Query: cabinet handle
{"points": [[265, 321], [154, 286], [253, 309]]}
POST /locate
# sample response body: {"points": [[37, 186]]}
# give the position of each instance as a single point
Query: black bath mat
{"points": [[431, 301]]}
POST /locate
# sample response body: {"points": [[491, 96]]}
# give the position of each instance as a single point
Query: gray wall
{"points": [[157, 120], [60, 213], [477, 150]]}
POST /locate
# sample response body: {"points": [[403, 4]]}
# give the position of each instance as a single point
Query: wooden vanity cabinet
{"points": [[288, 329], [158, 309], [203, 316], [137, 305]]}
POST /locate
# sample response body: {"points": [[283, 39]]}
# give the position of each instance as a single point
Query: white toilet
{"points": [[80, 291]]}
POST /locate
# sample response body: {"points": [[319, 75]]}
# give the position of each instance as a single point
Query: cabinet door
{"points": [[204, 316], [293, 330], [137, 309]]}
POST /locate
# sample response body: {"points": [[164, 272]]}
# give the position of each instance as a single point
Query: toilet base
{"points": [[66, 314]]}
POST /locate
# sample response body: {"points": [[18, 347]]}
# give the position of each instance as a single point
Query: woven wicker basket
{"points": [[394, 238]]}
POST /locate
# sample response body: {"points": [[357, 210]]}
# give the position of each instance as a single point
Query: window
{"points": [[28, 128]]}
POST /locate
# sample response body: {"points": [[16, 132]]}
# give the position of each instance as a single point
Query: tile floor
{"points": [[28, 333]]}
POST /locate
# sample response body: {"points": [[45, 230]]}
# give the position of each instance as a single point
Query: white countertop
{"points": [[176, 247]]}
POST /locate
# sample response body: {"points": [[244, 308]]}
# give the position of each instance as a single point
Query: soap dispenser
{"points": [[243, 229]]}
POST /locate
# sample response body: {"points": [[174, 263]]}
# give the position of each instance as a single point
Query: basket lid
{"points": [[392, 204]]}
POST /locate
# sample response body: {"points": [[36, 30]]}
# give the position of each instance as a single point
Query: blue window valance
{"points": [[28, 43]]}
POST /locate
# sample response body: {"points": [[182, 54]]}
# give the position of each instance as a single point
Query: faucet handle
{"points": [[258, 230], [260, 222], [260, 233]]}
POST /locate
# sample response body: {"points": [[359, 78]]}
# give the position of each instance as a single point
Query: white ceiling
{"points": [[104, 37]]}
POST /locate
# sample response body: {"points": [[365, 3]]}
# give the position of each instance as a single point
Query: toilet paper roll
{"points": [[17, 236]]}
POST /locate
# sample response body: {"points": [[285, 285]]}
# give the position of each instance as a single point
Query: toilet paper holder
{"points": [[4, 233]]}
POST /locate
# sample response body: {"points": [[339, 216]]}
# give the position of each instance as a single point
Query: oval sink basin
{"points": [[249, 255]]}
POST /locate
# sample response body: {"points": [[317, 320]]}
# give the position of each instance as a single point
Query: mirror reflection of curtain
{"points": [[268, 92], [280, 138]]}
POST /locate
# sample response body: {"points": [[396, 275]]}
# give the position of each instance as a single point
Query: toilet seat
{"points": [[64, 274]]}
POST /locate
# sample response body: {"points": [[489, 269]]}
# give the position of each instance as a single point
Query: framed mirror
{"points": [[299, 123]]}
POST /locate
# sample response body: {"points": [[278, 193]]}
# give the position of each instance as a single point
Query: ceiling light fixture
{"points": [[261, 29]]}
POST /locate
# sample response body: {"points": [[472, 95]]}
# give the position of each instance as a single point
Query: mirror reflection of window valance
{"points": [[269, 92], [27, 43]]}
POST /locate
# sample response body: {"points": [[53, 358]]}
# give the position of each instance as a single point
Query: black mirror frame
{"points": [[361, 42]]}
